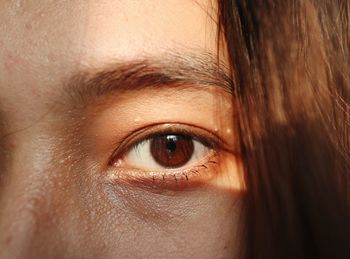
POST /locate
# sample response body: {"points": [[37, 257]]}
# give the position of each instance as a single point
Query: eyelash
{"points": [[168, 177], [193, 177]]}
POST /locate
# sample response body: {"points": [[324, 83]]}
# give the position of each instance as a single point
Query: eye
{"points": [[166, 151]]}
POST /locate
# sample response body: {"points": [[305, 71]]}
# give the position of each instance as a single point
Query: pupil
{"points": [[172, 151], [171, 146]]}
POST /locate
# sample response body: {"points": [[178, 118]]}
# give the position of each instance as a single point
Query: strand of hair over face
{"points": [[290, 67]]}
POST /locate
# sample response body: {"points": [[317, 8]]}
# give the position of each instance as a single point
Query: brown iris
{"points": [[172, 150]]}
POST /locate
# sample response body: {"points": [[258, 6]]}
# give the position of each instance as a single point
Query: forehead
{"points": [[85, 31], [43, 41]]}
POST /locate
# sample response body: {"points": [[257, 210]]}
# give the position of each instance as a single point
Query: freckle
{"points": [[8, 240], [29, 26]]}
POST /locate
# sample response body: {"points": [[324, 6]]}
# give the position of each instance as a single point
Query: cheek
{"points": [[100, 220], [197, 224]]}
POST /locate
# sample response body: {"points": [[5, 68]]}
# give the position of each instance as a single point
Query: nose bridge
{"points": [[24, 189]]}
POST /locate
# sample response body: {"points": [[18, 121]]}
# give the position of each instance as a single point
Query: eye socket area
{"points": [[213, 162]]}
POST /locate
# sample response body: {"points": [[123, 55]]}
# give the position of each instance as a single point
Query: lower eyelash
{"points": [[192, 177], [188, 174]]}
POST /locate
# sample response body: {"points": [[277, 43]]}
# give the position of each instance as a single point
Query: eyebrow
{"points": [[169, 70]]}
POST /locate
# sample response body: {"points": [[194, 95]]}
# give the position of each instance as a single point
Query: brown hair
{"points": [[290, 67]]}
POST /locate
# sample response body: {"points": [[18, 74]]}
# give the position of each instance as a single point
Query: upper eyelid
{"points": [[197, 133], [148, 138]]}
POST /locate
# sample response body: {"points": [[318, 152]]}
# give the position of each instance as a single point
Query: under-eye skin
{"points": [[167, 156]]}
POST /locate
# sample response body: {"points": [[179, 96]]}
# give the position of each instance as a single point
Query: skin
{"points": [[59, 197]]}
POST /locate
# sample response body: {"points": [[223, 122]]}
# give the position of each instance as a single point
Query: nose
{"points": [[25, 193]]}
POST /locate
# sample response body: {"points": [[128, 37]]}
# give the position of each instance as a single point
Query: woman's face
{"points": [[116, 131]]}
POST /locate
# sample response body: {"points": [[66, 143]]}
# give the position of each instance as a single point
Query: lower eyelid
{"points": [[194, 176]]}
